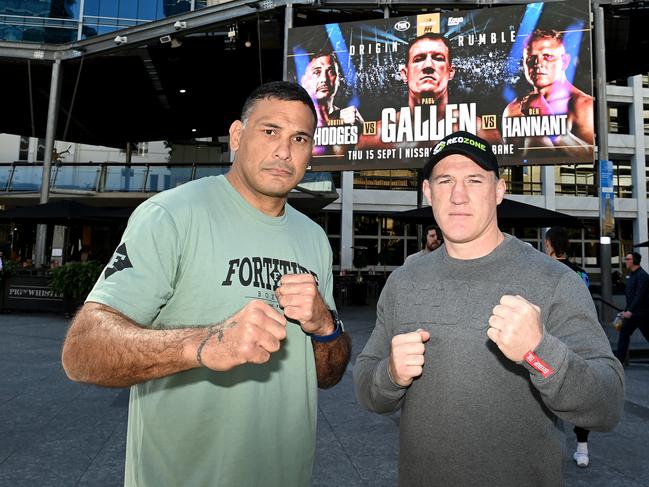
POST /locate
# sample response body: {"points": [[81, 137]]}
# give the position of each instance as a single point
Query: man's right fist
{"points": [[407, 357], [249, 336]]}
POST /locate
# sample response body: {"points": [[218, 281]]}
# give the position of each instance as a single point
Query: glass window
{"points": [[576, 180], [5, 172], [365, 252], [384, 241], [618, 119], [622, 181], [27, 178], [411, 229], [72, 9], [334, 242], [108, 8], [392, 252], [645, 117], [336, 179], [574, 251], [166, 177], [173, 7], [591, 254], [148, 9], [390, 226], [392, 179], [317, 181], [523, 179], [23, 151], [91, 7], [102, 29], [591, 229], [625, 230], [333, 222], [366, 225], [121, 178], [127, 9], [76, 177], [411, 246]]}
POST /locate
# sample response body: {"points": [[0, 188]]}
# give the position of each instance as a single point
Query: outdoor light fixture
{"points": [[229, 44], [182, 90], [119, 40], [165, 39], [180, 24]]}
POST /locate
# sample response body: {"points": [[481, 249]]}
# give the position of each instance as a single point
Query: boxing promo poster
{"points": [[387, 90]]}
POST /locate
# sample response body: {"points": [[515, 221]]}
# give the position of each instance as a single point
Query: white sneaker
{"points": [[581, 459]]}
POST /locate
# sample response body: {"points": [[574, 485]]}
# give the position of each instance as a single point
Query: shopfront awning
{"points": [[63, 212], [510, 213]]}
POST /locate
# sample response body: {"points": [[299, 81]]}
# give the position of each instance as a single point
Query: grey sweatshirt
{"points": [[475, 418]]}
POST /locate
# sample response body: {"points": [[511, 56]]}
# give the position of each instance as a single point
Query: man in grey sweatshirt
{"points": [[484, 343]]}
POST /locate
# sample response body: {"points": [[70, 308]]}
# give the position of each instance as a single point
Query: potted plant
{"points": [[74, 281], [9, 268]]}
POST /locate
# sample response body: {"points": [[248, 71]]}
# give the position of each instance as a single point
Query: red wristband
{"points": [[538, 364]]}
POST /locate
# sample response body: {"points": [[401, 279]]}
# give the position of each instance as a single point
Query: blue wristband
{"points": [[337, 331]]}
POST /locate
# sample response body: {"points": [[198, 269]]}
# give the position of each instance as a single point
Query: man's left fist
{"points": [[515, 326], [298, 295]]}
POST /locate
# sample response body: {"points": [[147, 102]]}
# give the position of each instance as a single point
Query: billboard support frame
{"points": [[602, 146]]}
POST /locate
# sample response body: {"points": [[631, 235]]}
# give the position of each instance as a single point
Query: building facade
{"points": [[362, 233]]}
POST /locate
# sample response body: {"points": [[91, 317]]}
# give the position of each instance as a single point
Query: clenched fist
{"points": [[298, 295], [249, 336], [351, 116], [515, 326], [407, 356]]}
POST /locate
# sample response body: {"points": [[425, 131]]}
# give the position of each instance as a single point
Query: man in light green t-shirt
{"points": [[217, 309]]}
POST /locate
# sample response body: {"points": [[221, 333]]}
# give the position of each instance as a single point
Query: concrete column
{"points": [[638, 162], [58, 245], [52, 116], [32, 151], [347, 221], [548, 180]]}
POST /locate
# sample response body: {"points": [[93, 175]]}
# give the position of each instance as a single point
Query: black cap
{"points": [[467, 144]]}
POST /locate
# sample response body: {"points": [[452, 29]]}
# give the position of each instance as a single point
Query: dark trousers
{"points": [[629, 326], [582, 434]]}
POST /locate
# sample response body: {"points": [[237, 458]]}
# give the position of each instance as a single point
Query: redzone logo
{"points": [[538, 364]]}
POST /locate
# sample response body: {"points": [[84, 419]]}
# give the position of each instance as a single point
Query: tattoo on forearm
{"points": [[212, 331]]}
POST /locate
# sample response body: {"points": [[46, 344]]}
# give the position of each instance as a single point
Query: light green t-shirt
{"points": [[193, 256]]}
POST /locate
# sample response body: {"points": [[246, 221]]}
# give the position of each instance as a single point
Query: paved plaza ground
{"points": [[56, 433]]}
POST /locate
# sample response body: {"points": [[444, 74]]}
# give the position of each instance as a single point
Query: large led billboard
{"points": [[386, 90]]}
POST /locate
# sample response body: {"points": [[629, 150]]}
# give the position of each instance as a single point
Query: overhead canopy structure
{"points": [[510, 212], [63, 211], [117, 91]]}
